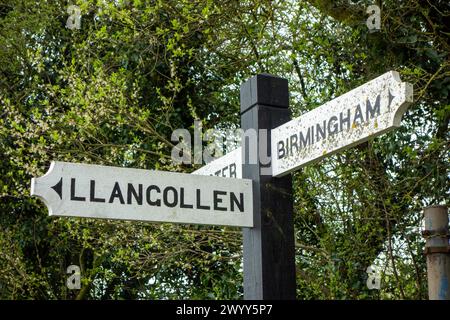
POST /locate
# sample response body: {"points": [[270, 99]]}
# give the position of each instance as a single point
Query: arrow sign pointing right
{"points": [[367, 111]]}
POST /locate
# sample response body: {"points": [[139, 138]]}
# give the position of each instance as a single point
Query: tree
{"points": [[113, 91]]}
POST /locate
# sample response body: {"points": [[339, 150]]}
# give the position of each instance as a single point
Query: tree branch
{"points": [[345, 13]]}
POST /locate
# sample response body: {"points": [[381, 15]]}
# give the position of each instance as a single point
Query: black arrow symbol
{"points": [[391, 97], [58, 188]]}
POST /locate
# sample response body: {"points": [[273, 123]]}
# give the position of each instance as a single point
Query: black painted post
{"points": [[269, 253]]}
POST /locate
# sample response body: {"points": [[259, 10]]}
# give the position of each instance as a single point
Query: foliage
{"points": [[113, 91]]}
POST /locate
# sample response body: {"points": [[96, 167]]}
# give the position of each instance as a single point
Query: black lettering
{"points": [[233, 170], [234, 200], [199, 206], [280, 146], [312, 135], [149, 199], [287, 147], [92, 197], [217, 200], [304, 142], [294, 142], [358, 115], [182, 204], [333, 126], [72, 192], [371, 111], [217, 173], [116, 193], [321, 130], [132, 192], [223, 171], [166, 197], [343, 120]]}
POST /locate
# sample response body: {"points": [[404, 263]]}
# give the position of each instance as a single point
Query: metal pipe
{"points": [[437, 250]]}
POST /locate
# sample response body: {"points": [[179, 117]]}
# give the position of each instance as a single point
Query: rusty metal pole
{"points": [[437, 250]]}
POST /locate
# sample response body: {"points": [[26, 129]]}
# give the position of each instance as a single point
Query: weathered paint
{"points": [[437, 251], [93, 191], [443, 288], [367, 111], [438, 266]]}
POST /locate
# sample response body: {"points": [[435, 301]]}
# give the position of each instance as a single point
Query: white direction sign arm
{"points": [[229, 166], [92, 191], [367, 111]]}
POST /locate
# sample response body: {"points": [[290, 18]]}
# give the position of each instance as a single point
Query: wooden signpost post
{"points": [[269, 252], [261, 203]]}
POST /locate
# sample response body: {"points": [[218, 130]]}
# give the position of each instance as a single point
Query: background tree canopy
{"points": [[113, 91]]}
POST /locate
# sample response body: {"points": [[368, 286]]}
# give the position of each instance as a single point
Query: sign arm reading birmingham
{"points": [[93, 191], [261, 203], [367, 111], [363, 113]]}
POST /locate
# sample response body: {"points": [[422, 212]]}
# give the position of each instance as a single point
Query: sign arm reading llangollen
{"points": [[93, 191], [264, 205], [367, 111]]}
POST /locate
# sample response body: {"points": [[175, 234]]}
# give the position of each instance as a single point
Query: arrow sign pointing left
{"points": [[93, 191]]}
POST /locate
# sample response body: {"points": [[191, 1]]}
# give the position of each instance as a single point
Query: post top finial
{"points": [[264, 89]]}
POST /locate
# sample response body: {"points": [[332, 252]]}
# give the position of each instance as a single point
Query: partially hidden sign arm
{"points": [[93, 191]]}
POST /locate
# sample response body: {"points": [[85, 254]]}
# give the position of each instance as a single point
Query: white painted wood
{"points": [[382, 103], [228, 166], [214, 200]]}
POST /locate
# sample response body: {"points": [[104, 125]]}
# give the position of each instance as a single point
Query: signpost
{"points": [[92, 191], [261, 203], [362, 113], [269, 252]]}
